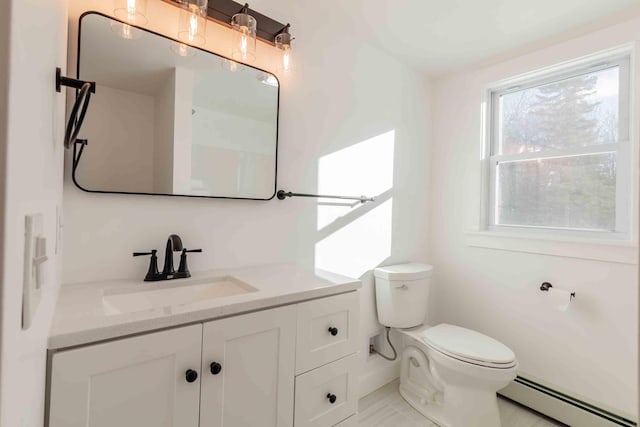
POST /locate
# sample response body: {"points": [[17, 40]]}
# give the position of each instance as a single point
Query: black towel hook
{"points": [[80, 106]]}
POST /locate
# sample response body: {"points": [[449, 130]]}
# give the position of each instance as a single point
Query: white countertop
{"points": [[80, 316]]}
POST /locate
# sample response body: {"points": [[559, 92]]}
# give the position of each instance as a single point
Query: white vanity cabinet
{"points": [[238, 371], [248, 369], [132, 382], [326, 360]]}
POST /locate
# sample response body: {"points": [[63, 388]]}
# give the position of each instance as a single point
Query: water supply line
{"points": [[395, 353]]}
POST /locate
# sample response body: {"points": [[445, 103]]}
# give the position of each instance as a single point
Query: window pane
{"points": [[564, 192], [575, 112]]}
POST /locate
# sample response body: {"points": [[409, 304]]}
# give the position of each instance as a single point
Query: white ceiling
{"points": [[440, 35], [435, 35]]}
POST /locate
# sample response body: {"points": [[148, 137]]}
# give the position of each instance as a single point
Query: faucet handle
{"points": [[152, 273], [151, 252], [183, 269]]}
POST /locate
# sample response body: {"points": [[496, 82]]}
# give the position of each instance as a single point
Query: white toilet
{"points": [[448, 373]]}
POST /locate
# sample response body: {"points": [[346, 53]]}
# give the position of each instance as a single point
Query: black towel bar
{"points": [[284, 194]]}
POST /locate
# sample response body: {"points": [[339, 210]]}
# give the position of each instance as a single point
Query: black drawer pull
{"points": [[216, 368], [333, 331], [332, 398], [191, 375]]}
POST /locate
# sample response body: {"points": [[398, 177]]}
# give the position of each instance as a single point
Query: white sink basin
{"points": [[171, 293]]}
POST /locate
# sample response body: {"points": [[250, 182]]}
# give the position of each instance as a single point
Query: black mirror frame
{"points": [[75, 160]]}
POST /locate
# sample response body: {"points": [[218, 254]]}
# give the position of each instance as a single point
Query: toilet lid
{"points": [[469, 346]]}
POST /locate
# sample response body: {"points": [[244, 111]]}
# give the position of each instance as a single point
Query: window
{"points": [[559, 150]]}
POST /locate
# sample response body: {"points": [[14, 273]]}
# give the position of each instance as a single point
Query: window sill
{"points": [[624, 252]]}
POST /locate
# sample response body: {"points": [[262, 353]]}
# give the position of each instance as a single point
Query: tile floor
{"points": [[386, 408]]}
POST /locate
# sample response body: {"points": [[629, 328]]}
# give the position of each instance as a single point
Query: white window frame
{"points": [[624, 148]]}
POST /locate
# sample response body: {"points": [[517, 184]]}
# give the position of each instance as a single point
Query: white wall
{"points": [[32, 177], [344, 92], [5, 30], [589, 351]]}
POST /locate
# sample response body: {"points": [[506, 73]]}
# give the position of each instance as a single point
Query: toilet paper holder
{"points": [[546, 285]]}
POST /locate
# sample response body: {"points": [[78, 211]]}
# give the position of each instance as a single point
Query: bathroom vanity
{"points": [[262, 346]]}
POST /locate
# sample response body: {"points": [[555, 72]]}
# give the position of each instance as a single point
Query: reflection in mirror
{"points": [[164, 123]]}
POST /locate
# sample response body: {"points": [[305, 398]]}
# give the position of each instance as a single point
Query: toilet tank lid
{"points": [[409, 271]]}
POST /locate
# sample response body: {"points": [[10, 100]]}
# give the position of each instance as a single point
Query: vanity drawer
{"points": [[327, 330], [317, 389]]}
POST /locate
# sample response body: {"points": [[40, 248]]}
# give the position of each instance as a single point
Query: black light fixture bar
{"points": [[222, 11]]}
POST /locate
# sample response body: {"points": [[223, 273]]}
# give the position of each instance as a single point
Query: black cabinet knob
{"points": [[332, 398], [191, 375], [216, 368], [333, 331]]}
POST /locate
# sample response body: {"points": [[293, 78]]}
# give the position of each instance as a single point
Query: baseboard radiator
{"points": [[562, 407]]}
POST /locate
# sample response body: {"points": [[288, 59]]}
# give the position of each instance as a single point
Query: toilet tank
{"points": [[402, 293]]}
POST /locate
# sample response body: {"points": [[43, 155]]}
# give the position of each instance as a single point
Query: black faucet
{"points": [[174, 244]]}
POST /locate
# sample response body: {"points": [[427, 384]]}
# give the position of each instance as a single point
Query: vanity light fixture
{"points": [[283, 43], [244, 27], [130, 12], [192, 27], [247, 26], [192, 22]]}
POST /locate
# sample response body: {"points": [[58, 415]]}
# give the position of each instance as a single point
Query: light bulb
{"points": [[193, 27], [283, 43], [131, 10], [192, 22], [243, 46], [286, 60]]}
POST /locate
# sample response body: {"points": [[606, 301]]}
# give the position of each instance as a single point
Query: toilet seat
{"points": [[468, 346]]}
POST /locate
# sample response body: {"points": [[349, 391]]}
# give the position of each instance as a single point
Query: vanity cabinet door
{"points": [[151, 380], [248, 370]]}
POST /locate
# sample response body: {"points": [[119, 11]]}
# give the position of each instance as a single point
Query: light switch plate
{"points": [[35, 257]]}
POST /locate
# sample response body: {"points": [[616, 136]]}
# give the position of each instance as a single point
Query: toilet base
{"points": [[431, 410], [460, 408]]}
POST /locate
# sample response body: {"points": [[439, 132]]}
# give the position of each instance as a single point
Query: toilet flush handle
{"points": [[403, 287]]}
